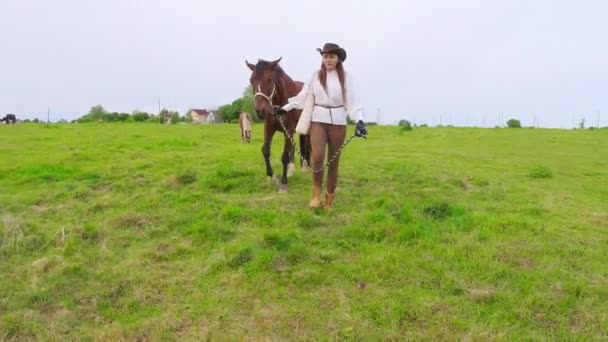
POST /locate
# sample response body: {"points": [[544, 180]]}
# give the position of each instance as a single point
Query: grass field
{"points": [[148, 232]]}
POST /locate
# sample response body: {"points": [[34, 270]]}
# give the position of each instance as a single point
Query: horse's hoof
{"points": [[283, 189], [291, 168]]}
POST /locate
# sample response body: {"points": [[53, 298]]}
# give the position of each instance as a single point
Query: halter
{"points": [[272, 94]]}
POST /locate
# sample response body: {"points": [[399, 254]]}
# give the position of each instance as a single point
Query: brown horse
{"points": [[272, 87], [245, 123]]}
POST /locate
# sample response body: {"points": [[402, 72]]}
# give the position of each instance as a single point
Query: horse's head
{"points": [[264, 85]]}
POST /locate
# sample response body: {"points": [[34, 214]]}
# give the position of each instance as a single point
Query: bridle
{"points": [[272, 93]]}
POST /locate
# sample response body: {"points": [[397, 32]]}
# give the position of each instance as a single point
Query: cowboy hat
{"points": [[333, 48]]}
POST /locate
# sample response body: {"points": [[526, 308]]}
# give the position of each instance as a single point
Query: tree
{"points": [[124, 117], [140, 116], [174, 118], [223, 114], [245, 103], [248, 104], [169, 116], [96, 113], [187, 117], [237, 107], [231, 112], [163, 115], [513, 123], [110, 117]]}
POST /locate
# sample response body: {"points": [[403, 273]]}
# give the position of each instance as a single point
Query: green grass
{"points": [[141, 231]]}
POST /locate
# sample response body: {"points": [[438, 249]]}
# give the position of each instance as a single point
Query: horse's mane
{"points": [[262, 65]]}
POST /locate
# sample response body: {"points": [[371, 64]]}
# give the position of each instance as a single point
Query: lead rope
{"points": [[331, 160], [286, 132]]}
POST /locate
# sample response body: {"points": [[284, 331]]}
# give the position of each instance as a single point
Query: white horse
{"points": [[245, 123]]}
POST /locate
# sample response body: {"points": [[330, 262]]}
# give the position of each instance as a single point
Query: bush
{"points": [[189, 176], [513, 123], [140, 116], [541, 171], [438, 210], [405, 125]]}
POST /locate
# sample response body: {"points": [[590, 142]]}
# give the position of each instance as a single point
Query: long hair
{"points": [[323, 78]]}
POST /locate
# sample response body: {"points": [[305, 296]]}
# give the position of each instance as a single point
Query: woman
{"points": [[334, 98]]}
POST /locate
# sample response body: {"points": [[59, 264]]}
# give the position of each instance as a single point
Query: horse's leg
{"points": [[309, 149], [243, 131], [305, 152], [266, 151], [291, 150], [285, 158]]}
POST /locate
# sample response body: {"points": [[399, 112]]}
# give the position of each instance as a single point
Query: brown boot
{"points": [[315, 201], [329, 201]]}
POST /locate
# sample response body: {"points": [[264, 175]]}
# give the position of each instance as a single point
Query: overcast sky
{"points": [[461, 62]]}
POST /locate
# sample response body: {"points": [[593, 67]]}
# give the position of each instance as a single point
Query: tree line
{"points": [[226, 113]]}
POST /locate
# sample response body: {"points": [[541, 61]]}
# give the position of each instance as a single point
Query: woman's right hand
{"points": [[279, 111], [360, 130]]}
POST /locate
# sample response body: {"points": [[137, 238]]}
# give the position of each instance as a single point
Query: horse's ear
{"points": [[274, 63], [251, 66]]}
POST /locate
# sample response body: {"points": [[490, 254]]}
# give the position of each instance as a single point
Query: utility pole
{"points": [[573, 125], [598, 119], [48, 115]]}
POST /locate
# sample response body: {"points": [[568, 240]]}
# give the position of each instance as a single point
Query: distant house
{"points": [[202, 116]]}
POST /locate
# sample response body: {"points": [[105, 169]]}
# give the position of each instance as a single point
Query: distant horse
{"points": [[245, 123], [9, 118], [272, 87]]}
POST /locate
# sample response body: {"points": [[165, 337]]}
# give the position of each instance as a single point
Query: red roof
{"points": [[201, 112]]}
